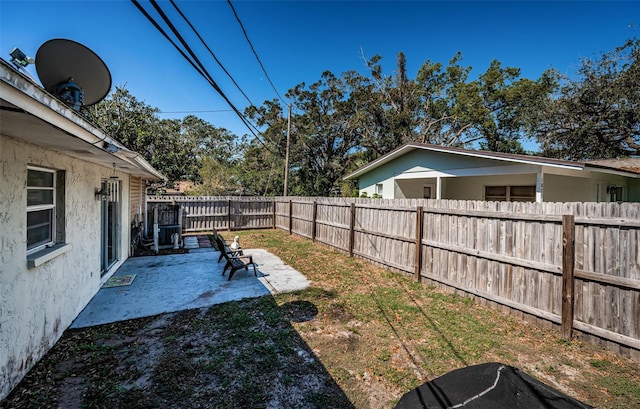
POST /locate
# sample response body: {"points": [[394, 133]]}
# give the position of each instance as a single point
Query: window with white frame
{"points": [[41, 208], [379, 189], [510, 193]]}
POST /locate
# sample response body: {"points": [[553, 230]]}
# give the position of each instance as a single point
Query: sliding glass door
{"points": [[110, 212]]}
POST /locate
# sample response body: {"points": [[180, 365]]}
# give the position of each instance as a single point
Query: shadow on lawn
{"points": [[242, 354]]}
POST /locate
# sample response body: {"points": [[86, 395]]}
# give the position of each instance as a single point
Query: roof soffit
{"points": [[29, 113]]}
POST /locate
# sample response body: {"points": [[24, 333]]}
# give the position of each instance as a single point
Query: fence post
{"points": [[568, 265], [352, 223], [418, 255], [313, 221], [290, 216], [229, 215], [273, 202]]}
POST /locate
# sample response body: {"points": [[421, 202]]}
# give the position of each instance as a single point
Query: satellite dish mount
{"points": [[72, 73], [70, 93]]}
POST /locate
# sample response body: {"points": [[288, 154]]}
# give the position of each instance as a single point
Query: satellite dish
{"points": [[72, 72]]}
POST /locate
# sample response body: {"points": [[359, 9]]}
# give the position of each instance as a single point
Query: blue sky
{"points": [[297, 41]]}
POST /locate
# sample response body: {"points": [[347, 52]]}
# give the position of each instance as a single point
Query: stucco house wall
{"points": [[44, 289], [37, 304]]}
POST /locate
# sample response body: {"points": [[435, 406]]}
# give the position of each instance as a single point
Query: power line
{"points": [[164, 33], [211, 52], [194, 61], [199, 67], [195, 112], [246, 36], [253, 50]]}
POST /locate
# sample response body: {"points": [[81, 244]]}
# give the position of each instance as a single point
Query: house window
{"points": [[510, 193], [426, 192], [45, 208], [522, 193], [41, 208], [495, 193], [615, 193], [379, 189]]}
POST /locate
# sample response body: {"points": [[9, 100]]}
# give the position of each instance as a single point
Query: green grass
{"points": [[621, 387]]}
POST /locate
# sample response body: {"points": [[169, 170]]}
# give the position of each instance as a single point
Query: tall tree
{"points": [[447, 106], [202, 142], [384, 106], [597, 114], [506, 103], [326, 135], [262, 168], [173, 146], [130, 121]]}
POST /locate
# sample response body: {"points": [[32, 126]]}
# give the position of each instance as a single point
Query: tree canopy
{"points": [[595, 115], [341, 122], [175, 147]]}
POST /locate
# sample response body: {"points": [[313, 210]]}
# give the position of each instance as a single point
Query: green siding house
{"points": [[417, 170]]}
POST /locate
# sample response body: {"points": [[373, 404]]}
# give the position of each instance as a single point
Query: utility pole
{"points": [[286, 155]]}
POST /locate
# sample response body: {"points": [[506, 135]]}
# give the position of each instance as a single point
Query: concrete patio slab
{"points": [[178, 282]]}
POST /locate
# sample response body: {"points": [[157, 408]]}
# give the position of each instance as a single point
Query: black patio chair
{"points": [[222, 245], [235, 262]]}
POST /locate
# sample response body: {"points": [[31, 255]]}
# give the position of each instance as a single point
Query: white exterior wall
{"points": [[559, 188], [414, 188], [38, 304], [472, 188], [464, 178], [419, 162]]}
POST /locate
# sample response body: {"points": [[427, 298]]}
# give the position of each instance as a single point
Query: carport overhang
{"points": [[31, 114]]}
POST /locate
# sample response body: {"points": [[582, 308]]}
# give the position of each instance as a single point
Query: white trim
{"points": [[612, 171], [22, 92], [486, 171], [539, 186], [41, 207]]}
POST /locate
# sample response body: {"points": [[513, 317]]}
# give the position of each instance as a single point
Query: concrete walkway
{"points": [[183, 281]]}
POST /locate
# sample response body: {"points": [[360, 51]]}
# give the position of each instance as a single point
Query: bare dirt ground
{"points": [[236, 355], [359, 337]]}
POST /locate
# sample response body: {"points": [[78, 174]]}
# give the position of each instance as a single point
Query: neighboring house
{"points": [[417, 170], [68, 195], [179, 188]]}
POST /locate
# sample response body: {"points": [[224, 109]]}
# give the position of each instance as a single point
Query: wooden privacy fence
{"points": [[573, 266], [209, 213]]}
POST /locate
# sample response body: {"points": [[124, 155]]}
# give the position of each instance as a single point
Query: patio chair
{"points": [[222, 245], [235, 262]]}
